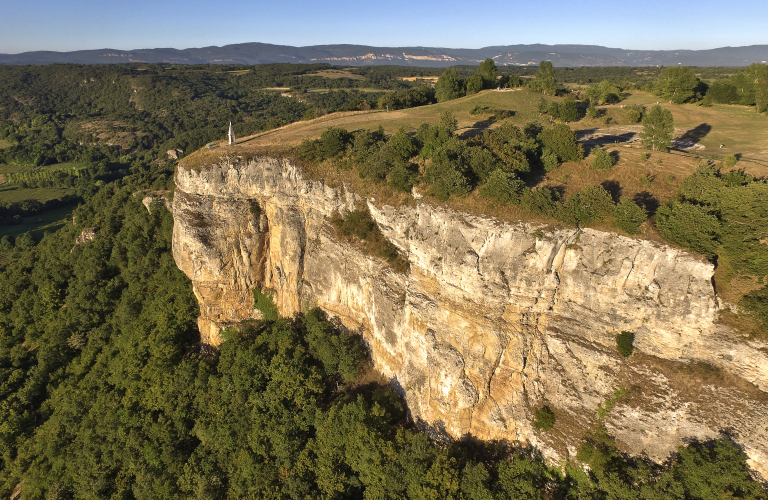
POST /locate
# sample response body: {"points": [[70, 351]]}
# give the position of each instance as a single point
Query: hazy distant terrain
{"points": [[357, 55]]}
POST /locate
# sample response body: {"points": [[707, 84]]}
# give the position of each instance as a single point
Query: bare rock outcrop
{"points": [[492, 321]]}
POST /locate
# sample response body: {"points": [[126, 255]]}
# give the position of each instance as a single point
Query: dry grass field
{"points": [[653, 180], [336, 73]]}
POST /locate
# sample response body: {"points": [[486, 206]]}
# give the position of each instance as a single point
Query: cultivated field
{"points": [[14, 192], [336, 73]]}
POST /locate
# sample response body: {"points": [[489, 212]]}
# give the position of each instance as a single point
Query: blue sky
{"points": [[64, 25]]}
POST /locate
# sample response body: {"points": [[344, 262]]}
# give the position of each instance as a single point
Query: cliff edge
{"points": [[492, 321]]}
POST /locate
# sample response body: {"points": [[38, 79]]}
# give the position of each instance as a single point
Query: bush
{"points": [[446, 178], [625, 343], [333, 142], [593, 203], [502, 187], [567, 109], [402, 178], [561, 140], [635, 113], [592, 112], [690, 226], [730, 160], [359, 228], [541, 201], [544, 419], [6, 244], [25, 242], [549, 160], [602, 159], [629, 215], [263, 302], [255, 209]]}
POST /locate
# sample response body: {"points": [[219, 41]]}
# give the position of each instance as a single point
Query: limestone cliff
{"points": [[493, 320]]}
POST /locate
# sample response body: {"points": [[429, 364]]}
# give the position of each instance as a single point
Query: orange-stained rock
{"points": [[491, 322]]}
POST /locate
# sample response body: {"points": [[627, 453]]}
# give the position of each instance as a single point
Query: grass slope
{"points": [[38, 225], [14, 192]]}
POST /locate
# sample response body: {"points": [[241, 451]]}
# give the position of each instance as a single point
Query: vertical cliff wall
{"points": [[492, 321]]}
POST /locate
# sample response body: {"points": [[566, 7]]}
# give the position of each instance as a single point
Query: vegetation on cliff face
{"points": [[105, 391], [107, 394]]}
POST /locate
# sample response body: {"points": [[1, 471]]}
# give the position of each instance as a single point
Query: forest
{"points": [[106, 391]]}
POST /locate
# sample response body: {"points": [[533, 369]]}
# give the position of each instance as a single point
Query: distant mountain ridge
{"points": [[359, 55]]}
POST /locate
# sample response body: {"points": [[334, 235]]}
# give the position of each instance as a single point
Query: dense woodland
{"points": [[105, 391]]}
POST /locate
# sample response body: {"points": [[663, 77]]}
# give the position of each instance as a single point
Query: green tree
{"points": [[678, 84], [567, 109], [658, 126], [761, 87], [474, 84], [448, 86], [628, 215], [561, 140], [488, 73], [690, 226], [545, 79], [502, 187], [601, 159]]}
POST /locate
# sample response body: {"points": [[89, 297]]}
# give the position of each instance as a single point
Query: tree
{"points": [[448, 86], [629, 215], [474, 84], [561, 140], [658, 126], [488, 73], [690, 226], [545, 79], [567, 109], [761, 87], [678, 84], [602, 159]]}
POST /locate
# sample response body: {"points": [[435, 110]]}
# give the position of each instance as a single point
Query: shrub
{"points": [[602, 159], [567, 109], [333, 142], [592, 112], [542, 201], [6, 244], [625, 343], [26, 241], [544, 419], [265, 305], [593, 203], [446, 178], [402, 146], [629, 215], [635, 113], [402, 178], [549, 160], [502, 187], [255, 209], [730, 160], [690, 226], [359, 228], [561, 140]]}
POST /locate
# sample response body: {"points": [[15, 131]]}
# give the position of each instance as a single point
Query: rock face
{"points": [[493, 320]]}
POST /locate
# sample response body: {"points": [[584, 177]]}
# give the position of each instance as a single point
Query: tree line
{"points": [[107, 393]]}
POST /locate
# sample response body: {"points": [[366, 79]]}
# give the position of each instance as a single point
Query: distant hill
{"points": [[359, 55]]}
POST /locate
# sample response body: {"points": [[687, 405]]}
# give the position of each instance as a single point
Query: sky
{"points": [[647, 24]]}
